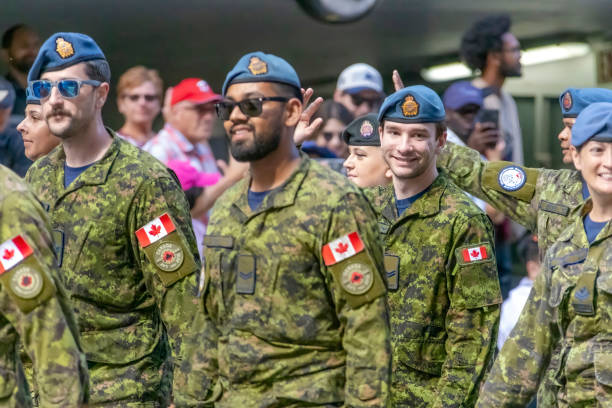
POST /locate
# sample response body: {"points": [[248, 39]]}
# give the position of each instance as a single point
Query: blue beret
{"points": [[62, 50], [593, 123], [30, 98], [574, 100], [260, 67], [414, 104]]}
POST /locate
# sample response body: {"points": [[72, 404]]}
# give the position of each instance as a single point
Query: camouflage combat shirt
{"points": [[545, 201], [34, 307], [294, 324], [444, 295], [562, 313], [133, 301]]}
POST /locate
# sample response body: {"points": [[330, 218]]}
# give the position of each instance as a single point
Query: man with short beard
{"points": [[293, 286], [489, 48], [20, 45], [444, 293], [122, 230]]}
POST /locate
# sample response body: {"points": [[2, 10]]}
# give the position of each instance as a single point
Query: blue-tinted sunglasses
{"points": [[68, 88]]}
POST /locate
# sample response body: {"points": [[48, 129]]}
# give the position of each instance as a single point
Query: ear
{"points": [[494, 58], [102, 94], [380, 132], [293, 111], [576, 158], [441, 142], [120, 104], [4, 54]]}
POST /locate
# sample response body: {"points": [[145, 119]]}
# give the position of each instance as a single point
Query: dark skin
{"points": [[274, 169]]}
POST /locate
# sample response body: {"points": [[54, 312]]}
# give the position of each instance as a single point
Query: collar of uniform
{"points": [[574, 189], [585, 208], [283, 196], [426, 205], [94, 175]]}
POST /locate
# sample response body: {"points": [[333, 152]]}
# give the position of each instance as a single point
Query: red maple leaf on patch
{"points": [[356, 277], [8, 253], [475, 253], [341, 248], [168, 256], [155, 230]]}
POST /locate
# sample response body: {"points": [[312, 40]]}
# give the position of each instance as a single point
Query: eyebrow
{"points": [[254, 94]]}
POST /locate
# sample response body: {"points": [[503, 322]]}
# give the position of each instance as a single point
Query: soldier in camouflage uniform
{"points": [[569, 310], [542, 200], [123, 232], [293, 285], [35, 311], [442, 277]]}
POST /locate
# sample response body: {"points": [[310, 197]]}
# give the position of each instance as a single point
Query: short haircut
{"points": [[98, 70], [9, 34], [137, 76], [483, 37], [333, 110], [440, 128], [528, 248], [288, 90]]}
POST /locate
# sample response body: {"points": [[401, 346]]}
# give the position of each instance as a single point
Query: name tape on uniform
{"points": [[155, 230], [12, 252], [342, 248], [475, 254]]}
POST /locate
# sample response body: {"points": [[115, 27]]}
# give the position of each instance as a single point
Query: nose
{"points": [[348, 163], [21, 128], [607, 159], [404, 146], [236, 115], [55, 97]]}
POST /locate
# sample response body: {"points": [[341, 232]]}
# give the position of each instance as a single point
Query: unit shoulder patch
{"points": [[357, 278], [511, 178]]}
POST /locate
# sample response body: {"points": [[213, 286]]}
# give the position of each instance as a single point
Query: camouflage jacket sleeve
{"points": [[44, 322], [472, 320], [466, 168], [516, 374], [169, 266], [364, 317]]}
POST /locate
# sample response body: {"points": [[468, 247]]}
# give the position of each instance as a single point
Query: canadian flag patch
{"points": [[155, 230], [473, 254], [12, 252], [342, 248]]}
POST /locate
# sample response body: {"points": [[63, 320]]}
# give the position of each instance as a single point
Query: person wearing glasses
{"points": [[568, 313], [293, 287], [139, 96], [335, 118], [190, 121], [122, 233], [360, 89], [489, 48]]}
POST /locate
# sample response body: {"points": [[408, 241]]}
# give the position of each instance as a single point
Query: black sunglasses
{"points": [[250, 107], [372, 102]]}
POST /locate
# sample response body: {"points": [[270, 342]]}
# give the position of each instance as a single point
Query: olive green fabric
{"points": [[285, 332], [133, 323], [43, 325], [546, 210], [550, 324], [445, 311]]}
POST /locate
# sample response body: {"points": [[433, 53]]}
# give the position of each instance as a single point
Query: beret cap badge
{"points": [[567, 101], [410, 107], [63, 48], [366, 129], [257, 66]]}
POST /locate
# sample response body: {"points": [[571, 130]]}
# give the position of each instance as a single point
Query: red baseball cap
{"points": [[194, 90]]}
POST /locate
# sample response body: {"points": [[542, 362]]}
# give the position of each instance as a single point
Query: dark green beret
{"points": [[363, 131]]}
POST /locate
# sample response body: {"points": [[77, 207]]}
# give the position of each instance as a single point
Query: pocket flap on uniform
{"points": [[603, 367]]}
